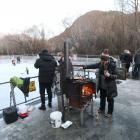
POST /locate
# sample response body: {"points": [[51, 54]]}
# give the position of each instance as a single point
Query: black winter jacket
{"points": [[137, 57], [106, 83], [63, 74], [46, 64], [126, 58]]}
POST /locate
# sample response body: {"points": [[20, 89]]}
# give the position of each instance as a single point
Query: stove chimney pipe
{"points": [[66, 59]]}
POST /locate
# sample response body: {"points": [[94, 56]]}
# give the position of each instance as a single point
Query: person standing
{"points": [[137, 63], [126, 59], [18, 59], [106, 82], [46, 64], [13, 61], [63, 76]]}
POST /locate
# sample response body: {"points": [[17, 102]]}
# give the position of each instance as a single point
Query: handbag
{"points": [[10, 114], [32, 86]]}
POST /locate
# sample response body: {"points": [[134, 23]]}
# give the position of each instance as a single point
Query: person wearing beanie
{"points": [[46, 64], [107, 75]]}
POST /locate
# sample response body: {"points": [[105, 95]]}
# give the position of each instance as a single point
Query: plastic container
{"points": [[56, 119], [22, 109]]}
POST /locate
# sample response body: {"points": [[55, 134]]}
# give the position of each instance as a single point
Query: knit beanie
{"points": [[105, 54]]}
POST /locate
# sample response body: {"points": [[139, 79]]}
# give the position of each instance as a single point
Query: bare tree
{"points": [[131, 7], [67, 22], [31, 41]]}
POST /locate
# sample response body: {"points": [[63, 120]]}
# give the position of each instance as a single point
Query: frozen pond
{"points": [[8, 70]]}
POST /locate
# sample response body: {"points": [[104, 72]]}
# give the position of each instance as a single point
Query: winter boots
{"points": [[108, 115], [42, 107], [50, 104], [101, 111]]}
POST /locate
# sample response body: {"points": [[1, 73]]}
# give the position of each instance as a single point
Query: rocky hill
{"points": [[97, 30]]}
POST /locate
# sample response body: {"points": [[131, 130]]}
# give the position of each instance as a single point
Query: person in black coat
{"points": [[126, 59], [46, 64], [137, 63], [64, 76], [106, 82]]}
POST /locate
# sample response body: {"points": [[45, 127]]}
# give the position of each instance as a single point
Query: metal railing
{"points": [[76, 69], [25, 101]]}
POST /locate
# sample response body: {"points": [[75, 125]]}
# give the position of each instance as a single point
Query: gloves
{"points": [[106, 73]]}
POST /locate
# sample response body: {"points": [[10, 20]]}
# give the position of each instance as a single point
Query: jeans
{"points": [[110, 100], [42, 87]]}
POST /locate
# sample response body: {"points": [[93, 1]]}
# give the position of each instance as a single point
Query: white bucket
{"points": [[56, 119]]}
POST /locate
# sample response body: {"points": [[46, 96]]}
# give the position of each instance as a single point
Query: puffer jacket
{"points": [[126, 58], [16, 81], [46, 64], [21, 83], [106, 83]]}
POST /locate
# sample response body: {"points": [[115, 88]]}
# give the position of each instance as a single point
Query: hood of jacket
{"points": [[44, 55]]}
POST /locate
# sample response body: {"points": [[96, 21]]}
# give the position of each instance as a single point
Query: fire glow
{"points": [[88, 89]]}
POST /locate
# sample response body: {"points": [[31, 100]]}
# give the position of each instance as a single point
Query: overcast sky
{"points": [[18, 15]]}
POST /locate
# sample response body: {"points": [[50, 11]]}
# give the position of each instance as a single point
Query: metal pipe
{"points": [[66, 58], [66, 75]]}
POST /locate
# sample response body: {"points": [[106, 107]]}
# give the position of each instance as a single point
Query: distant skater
{"points": [[13, 62], [27, 70], [18, 59]]}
